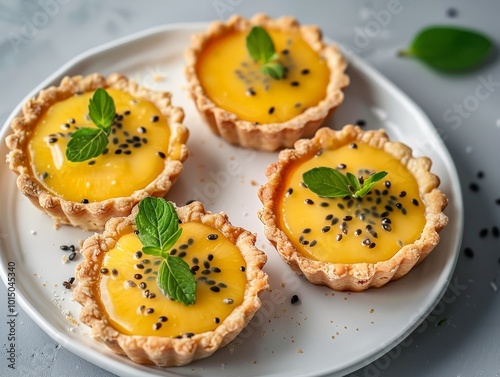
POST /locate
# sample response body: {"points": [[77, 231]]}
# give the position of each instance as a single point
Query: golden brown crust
{"points": [[356, 276], [273, 136], [91, 216], [168, 351]]}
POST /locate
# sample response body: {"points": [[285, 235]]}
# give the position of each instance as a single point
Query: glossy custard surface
{"points": [[136, 306], [139, 142], [351, 230], [234, 82]]}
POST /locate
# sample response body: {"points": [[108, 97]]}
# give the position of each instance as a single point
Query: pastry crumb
{"points": [[64, 259], [33, 232], [299, 351], [371, 310]]}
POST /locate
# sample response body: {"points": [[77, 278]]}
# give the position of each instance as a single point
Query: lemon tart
{"points": [[143, 158], [248, 107], [127, 311], [347, 242]]}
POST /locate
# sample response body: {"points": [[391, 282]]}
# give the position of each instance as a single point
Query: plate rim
{"points": [[353, 60]]}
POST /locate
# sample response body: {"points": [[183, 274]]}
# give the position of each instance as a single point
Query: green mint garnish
{"points": [[449, 49], [87, 143], [260, 46], [158, 227], [330, 183]]}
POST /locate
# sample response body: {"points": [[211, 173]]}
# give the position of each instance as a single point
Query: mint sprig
{"points": [[330, 183], [449, 49], [87, 143], [260, 46], [158, 227]]}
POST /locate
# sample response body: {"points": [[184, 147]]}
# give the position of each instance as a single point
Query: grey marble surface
{"points": [[462, 336]]}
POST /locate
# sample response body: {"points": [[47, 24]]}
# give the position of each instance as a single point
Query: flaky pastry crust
{"points": [[268, 137], [168, 351], [355, 276], [91, 216]]}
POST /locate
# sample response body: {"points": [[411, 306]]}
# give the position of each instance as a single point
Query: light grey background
{"points": [[462, 336]]}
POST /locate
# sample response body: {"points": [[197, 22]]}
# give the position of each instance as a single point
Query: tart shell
{"points": [[91, 216], [168, 351], [273, 136], [355, 276]]}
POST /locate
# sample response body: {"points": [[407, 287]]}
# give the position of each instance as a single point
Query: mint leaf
{"points": [[102, 109], [330, 183], [450, 49], [176, 280], [158, 227], [157, 223], [273, 69], [369, 183], [86, 143], [326, 182], [260, 46]]}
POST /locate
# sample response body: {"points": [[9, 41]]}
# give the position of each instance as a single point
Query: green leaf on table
{"points": [[450, 49]]}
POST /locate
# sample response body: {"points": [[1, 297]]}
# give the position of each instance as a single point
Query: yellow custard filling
{"points": [[138, 145], [136, 306], [352, 230], [234, 82]]}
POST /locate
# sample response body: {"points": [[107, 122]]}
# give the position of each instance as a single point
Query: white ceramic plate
{"points": [[327, 332]]}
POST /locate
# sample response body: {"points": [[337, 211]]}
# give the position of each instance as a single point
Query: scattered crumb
{"points": [[372, 310], [300, 351], [282, 285], [253, 183], [157, 77], [64, 259], [254, 362], [33, 232]]}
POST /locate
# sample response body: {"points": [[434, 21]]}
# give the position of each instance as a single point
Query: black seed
{"points": [[313, 243], [334, 221], [53, 140], [162, 319], [182, 254], [136, 231], [360, 123], [173, 251], [143, 285], [319, 153], [414, 202], [341, 166], [216, 320], [378, 201], [497, 202], [386, 220], [72, 256], [469, 253], [303, 184], [329, 217], [387, 184], [390, 209], [326, 229], [183, 246], [366, 242], [289, 191], [210, 257], [402, 194], [45, 175], [495, 231], [228, 301], [353, 145], [85, 201], [339, 237], [294, 299], [309, 201], [294, 83], [212, 237], [215, 289], [72, 247], [195, 268], [114, 271], [189, 335], [210, 282], [474, 187], [124, 145], [104, 271], [139, 266], [137, 276], [306, 230], [206, 272], [271, 110], [340, 205], [357, 232], [130, 283], [66, 284], [305, 71], [386, 227], [157, 326], [403, 211], [242, 268], [451, 12], [150, 311], [161, 154], [215, 269], [324, 204], [372, 245], [483, 232], [385, 192], [152, 295], [138, 254], [190, 241], [304, 242], [399, 205], [347, 218], [118, 151], [148, 270], [155, 118]]}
